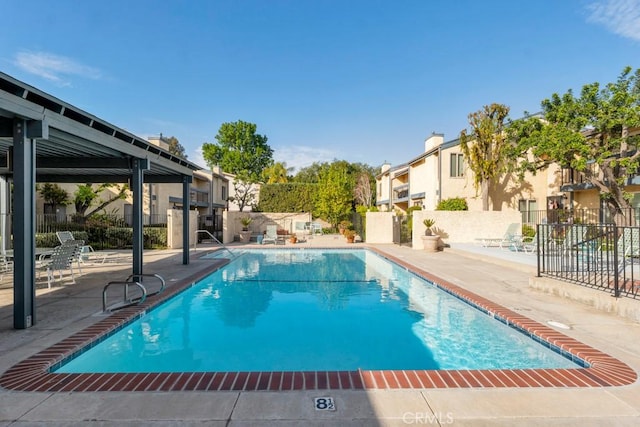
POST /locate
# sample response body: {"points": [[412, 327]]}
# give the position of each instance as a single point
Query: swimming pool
{"points": [[36, 372], [314, 310]]}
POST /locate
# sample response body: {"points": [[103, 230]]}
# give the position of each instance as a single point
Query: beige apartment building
{"points": [[440, 172], [584, 195], [209, 192]]}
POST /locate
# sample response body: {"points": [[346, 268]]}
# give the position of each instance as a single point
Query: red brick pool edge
{"points": [[32, 374]]}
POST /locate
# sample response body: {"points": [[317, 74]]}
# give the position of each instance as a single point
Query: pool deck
{"points": [[500, 276]]}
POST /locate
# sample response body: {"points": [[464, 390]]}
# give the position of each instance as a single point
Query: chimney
{"points": [[434, 140]]}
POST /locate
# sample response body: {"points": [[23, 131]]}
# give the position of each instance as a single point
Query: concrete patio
{"points": [[501, 276]]}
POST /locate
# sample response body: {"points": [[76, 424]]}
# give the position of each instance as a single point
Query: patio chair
{"points": [[541, 241], [6, 265], [78, 254], [271, 235], [575, 237], [511, 236], [62, 258], [65, 236], [87, 251], [628, 248]]}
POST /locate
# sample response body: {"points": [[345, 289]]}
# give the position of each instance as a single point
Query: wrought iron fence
{"points": [[402, 229], [359, 225], [603, 256], [629, 216], [100, 231]]}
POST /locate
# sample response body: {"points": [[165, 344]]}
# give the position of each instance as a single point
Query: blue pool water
{"points": [[298, 310]]}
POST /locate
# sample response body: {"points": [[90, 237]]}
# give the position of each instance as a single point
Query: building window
{"points": [[224, 193], [457, 165], [529, 210]]}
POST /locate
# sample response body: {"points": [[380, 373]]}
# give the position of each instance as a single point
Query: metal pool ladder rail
{"points": [[212, 237], [127, 300]]}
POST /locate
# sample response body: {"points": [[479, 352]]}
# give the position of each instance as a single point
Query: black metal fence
{"points": [[402, 225], [99, 231], [603, 256], [580, 216], [359, 225]]}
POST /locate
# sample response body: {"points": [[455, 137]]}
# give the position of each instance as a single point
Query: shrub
{"points": [[50, 240], [528, 231], [287, 197], [46, 240], [453, 204]]}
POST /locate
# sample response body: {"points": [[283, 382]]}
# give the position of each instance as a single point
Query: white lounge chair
{"points": [[87, 251], [628, 248], [271, 236], [511, 236]]}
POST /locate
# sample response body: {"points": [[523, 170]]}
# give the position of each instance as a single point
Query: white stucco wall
{"points": [[380, 227], [463, 226], [174, 227], [292, 222]]}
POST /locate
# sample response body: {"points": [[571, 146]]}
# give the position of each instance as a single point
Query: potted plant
{"points": [[428, 222], [430, 241], [350, 235], [344, 225], [245, 221], [245, 234], [293, 238]]}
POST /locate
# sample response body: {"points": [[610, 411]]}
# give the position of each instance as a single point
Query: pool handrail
{"points": [[212, 237], [126, 302], [140, 277]]}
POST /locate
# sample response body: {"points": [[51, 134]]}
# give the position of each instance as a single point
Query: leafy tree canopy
{"points": [[53, 194], [485, 147], [86, 195], [310, 174], [240, 151], [175, 147], [334, 196], [596, 133], [278, 173]]}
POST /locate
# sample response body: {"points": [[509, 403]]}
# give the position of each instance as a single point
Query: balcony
{"points": [[401, 196], [573, 180]]}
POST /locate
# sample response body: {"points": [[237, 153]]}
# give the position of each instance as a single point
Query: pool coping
{"points": [[32, 374]]}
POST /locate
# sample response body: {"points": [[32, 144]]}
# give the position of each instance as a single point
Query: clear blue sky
{"points": [[364, 81]]}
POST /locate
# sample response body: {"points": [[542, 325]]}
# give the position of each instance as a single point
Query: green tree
{"points": [[334, 197], [53, 194], [310, 174], [589, 134], [242, 152], [485, 147], [277, 173], [86, 195], [175, 147]]}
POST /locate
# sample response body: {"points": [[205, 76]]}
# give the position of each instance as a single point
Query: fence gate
{"points": [[396, 230], [211, 223], [401, 230]]}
